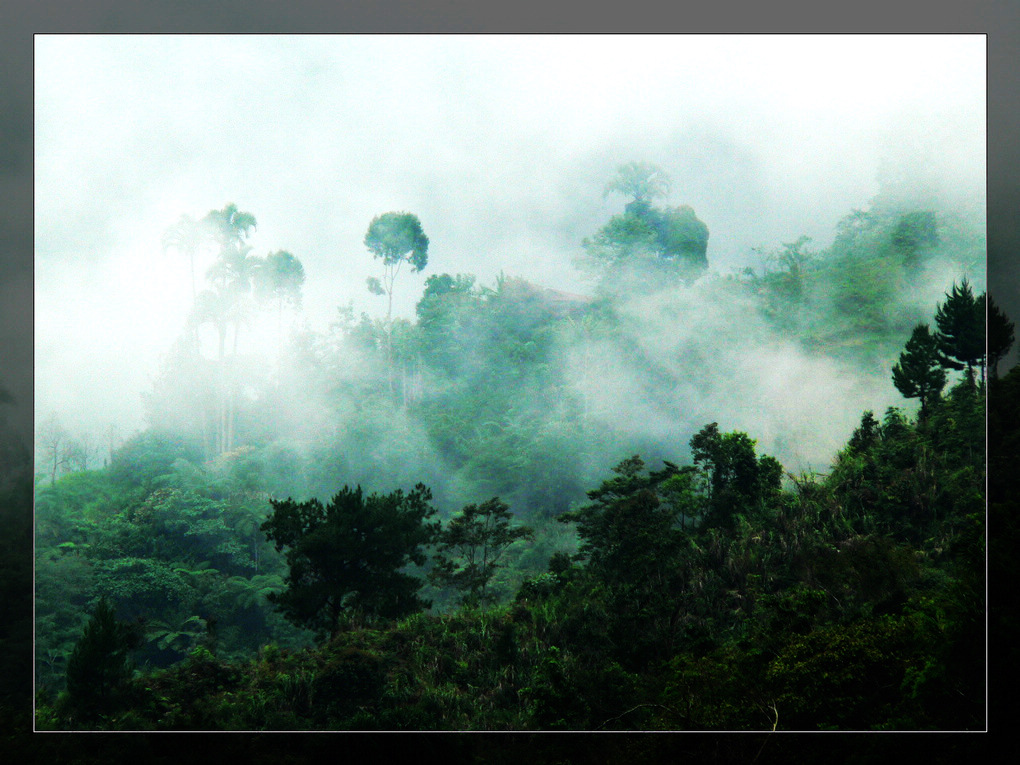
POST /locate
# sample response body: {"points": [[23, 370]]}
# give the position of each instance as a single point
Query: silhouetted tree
{"points": [[100, 665], [477, 537], [961, 329], [738, 480], [919, 372], [350, 556]]}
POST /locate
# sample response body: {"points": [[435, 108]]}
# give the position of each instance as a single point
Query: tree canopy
{"points": [[398, 237], [349, 556], [471, 545], [918, 373], [642, 181], [961, 328], [652, 244]]}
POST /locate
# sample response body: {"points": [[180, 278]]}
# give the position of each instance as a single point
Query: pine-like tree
{"points": [[919, 372], [100, 665], [961, 329]]}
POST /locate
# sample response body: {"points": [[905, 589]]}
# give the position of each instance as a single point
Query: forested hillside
{"points": [[646, 507]]}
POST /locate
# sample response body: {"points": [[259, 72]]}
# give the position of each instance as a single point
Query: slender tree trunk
{"points": [[390, 278], [221, 392], [231, 408], [279, 342], [389, 341]]}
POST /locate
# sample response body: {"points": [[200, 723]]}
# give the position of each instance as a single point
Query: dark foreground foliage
{"points": [[693, 588], [701, 598]]}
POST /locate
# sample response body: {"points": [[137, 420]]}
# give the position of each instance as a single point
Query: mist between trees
{"points": [[511, 390], [489, 377]]}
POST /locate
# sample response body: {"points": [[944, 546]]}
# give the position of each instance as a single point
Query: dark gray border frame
{"points": [[998, 19]]}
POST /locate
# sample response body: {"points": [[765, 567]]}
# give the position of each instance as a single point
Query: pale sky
{"points": [[502, 146]]}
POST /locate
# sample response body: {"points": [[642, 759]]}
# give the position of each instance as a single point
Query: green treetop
{"points": [[961, 329], [350, 556], [477, 537], [919, 372]]}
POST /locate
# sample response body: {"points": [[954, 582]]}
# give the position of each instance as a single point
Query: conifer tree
{"points": [[919, 372], [100, 665], [961, 329]]}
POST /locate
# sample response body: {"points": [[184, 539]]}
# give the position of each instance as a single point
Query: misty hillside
{"points": [[504, 406], [511, 383]]}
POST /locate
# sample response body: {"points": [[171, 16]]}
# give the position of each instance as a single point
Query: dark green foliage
{"points": [[739, 481], [843, 677], [635, 557], [865, 436], [477, 537], [961, 328], [919, 372], [100, 666], [845, 605], [906, 478], [150, 455], [350, 555]]}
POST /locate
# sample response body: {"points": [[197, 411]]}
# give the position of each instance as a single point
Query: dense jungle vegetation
{"points": [[500, 515]]}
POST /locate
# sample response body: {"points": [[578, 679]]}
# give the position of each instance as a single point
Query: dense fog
{"points": [[502, 146]]}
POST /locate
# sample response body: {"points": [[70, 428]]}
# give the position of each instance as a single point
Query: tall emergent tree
{"points": [[228, 303], [229, 226], [642, 181], [349, 557], [396, 238], [919, 372], [477, 538], [186, 236], [280, 276], [961, 329], [650, 242]]}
